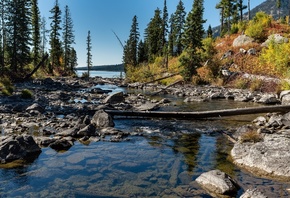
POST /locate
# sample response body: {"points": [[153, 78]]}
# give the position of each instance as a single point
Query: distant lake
{"points": [[103, 74]]}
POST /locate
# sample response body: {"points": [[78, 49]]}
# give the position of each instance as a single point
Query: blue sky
{"points": [[103, 16]]}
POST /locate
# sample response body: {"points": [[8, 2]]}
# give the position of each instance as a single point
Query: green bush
{"points": [[257, 27], [26, 94]]}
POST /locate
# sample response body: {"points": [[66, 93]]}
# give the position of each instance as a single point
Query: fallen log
{"points": [[202, 114], [177, 82]]}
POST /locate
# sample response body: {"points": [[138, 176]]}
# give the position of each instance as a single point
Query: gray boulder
{"points": [[148, 106], [17, 148], [242, 40], [218, 182], [35, 107], [115, 98], [102, 119], [269, 99], [253, 193], [276, 38], [271, 157], [285, 97]]}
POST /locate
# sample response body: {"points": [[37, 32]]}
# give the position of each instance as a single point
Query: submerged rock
{"points": [[218, 182]]}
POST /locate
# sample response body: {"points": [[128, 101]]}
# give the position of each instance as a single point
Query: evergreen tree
{"points": [[241, 7], [192, 39], [68, 36], [3, 32], [249, 10], [229, 14], [18, 35], [142, 52], [36, 39], [73, 60], [55, 43], [164, 27], [89, 52], [131, 48], [154, 35], [209, 32], [177, 21]]}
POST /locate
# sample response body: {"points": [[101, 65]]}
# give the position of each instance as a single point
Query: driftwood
{"points": [[36, 68], [172, 84], [202, 114], [160, 79]]}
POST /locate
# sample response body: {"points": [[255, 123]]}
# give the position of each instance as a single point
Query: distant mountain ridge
{"points": [[117, 68], [269, 7]]}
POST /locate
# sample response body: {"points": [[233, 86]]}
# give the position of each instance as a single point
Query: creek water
{"points": [[163, 162]]}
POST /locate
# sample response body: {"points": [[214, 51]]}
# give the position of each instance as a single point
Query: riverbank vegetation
{"points": [[24, 39], [180, 45]]}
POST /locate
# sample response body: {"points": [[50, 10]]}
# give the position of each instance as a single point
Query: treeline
{"points": [[24, 37], [179, 35]]}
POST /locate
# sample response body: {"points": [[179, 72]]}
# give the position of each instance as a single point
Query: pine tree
{"points": [[73, 60], [68, 36], [177, 21], [18, 35], [142, 52], [36, 39], [164, 28], [209, 32], [192, 39], [89, 52], [55, 43], [131, 48], [3, 32], [241, 7], [153, 35]]}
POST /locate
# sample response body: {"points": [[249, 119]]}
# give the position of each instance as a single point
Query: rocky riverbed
{"points": [[65, 110]]}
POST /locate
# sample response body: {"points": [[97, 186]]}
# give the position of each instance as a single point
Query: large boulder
{"points": [[276, 38], [242, 40], [102, 119], [17, 148], [115, 98], [270, 157], [218, 183]]}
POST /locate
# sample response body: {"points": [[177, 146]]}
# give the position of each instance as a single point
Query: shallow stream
{"points": [[164, 162]]}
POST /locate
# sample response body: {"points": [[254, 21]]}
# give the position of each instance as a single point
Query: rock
{"points": [[285, 97], [18, 148], [61, 144], [271, 157], [35, 107], [269, 99], [218, 182], [286, 119], [148, 106], [275, 121], [253, 193], [102, 119], [227, 54], [252, 51], [260, 121], [276, 38], [242, 40], [89, 130], [115, 98], [70, 132]]}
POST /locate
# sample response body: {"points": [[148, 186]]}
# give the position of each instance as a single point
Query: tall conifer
{"points": [[89, 53], [55, 43], [68, 36], [192, 39], [36, 39]]}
